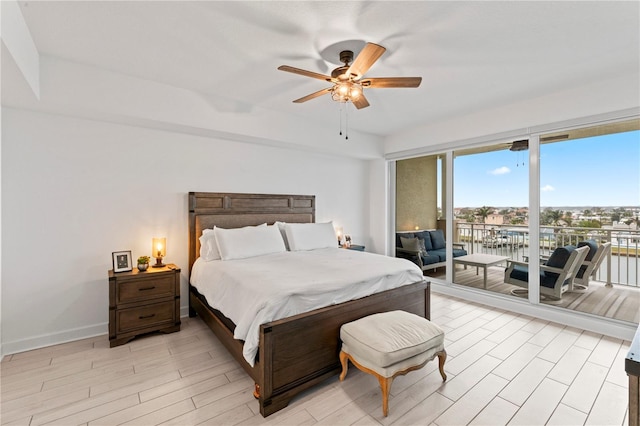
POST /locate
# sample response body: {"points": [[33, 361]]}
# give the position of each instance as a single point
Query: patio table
{"points": [[478, 260]]}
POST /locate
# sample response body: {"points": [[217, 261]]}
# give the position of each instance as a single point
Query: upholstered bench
{"points": [[390, 344]]}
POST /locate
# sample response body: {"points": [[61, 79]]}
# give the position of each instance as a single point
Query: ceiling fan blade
{"points": [[386, 82], [361, 102], [306, 73], [313, 95], [367, 57]]}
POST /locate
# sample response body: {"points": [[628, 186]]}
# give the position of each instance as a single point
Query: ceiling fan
{"points": [[348, 82], [521, 145]]}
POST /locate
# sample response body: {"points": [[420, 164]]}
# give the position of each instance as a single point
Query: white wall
{"points": [[378, 211], [75, 190]]}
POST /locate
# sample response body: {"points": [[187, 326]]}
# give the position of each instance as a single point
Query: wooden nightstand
{"points": [[142, 302], [354, 247]]}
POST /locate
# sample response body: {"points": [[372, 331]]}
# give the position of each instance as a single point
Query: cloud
{"points": [[547, 188], [500, 171]]}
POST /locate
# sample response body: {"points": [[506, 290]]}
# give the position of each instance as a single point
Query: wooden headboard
{"points": [[233, 210]]}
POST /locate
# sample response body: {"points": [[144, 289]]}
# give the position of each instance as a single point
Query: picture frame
{"points": [[122, 261]]}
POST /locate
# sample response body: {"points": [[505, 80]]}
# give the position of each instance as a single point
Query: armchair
{"points": [[556, 274], [591, 263], [427, 249]]}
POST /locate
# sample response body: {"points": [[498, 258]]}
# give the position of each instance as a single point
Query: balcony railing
{"points": [[620, 268]]}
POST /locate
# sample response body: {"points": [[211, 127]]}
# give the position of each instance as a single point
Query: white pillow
{"points": [[280, 226], [310, 236], [250, 241], [208, 246]]}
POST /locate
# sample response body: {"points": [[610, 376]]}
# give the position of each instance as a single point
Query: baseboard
{"points": [[601, 325], [184, 311], [66, 336], [51, 339]]}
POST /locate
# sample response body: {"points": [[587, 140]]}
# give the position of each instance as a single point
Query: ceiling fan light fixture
{"points": [[345, 91]]}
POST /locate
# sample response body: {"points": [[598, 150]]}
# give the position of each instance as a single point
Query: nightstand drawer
{"points": [[144, 289], [145, 316]]}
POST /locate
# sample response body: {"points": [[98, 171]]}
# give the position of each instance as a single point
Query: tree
{"points": [[550, 217], [632, 221], [483, 212], [555, 216], [568, 218], [590, 223], [618, 213]]}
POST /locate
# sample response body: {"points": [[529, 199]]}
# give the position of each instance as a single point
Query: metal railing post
{"points": [[609, 284]]}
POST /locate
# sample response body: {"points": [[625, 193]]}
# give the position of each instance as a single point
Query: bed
{"points": [[299, 351]]}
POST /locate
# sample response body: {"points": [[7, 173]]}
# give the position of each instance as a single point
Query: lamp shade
{"points": [[159, 247]]}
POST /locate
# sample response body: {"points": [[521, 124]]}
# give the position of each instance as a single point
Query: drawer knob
{"points": [[146, 288], [146, 316]]}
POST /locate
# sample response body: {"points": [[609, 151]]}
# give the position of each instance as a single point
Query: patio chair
{"points": [[556, 274], [591, 263]]}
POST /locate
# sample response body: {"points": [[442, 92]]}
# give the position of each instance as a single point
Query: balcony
{"points": [[620, 268], [614, 293]]}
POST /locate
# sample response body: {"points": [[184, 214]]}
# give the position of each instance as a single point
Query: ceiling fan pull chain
{"points": [[340, 111], [346, 119]]}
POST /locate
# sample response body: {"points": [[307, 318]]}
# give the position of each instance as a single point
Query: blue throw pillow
{"points": [[437, 239], [426, 237]]}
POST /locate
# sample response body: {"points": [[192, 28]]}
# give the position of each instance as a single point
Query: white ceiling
{"points": [[471, 55]]}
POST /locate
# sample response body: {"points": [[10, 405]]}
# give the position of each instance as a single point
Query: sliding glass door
{"points": [[491, 198], [584, 186], [590, 197]]}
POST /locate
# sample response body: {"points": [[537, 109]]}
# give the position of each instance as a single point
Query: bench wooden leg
{"points": [[442, 357], [385, 386], [344, 360], [385, 382]]}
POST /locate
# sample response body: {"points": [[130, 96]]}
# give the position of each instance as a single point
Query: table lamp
{"points": [[159, 250]]}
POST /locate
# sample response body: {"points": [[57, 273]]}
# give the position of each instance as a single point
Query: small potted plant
{"points": [[143, 263]]}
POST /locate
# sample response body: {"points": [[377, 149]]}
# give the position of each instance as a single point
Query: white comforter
{"points": [[261, 289]]}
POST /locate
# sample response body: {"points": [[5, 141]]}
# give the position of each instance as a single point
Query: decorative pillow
{"points": [[250, 241], [281, 228], [414, 244], [403, 235], [310, 236], [425, 236], [437, 239], [208, 246]]}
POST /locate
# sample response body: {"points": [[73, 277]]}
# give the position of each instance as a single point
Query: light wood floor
{"points": [[503, 368]]}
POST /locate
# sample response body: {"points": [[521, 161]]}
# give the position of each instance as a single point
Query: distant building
{"points": [[495, 219]]}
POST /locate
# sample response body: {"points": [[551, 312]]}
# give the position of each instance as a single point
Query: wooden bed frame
{"points": [[298, 352]]}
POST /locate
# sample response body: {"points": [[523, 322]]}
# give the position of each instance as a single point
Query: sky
{"points": [[595, 171]]}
